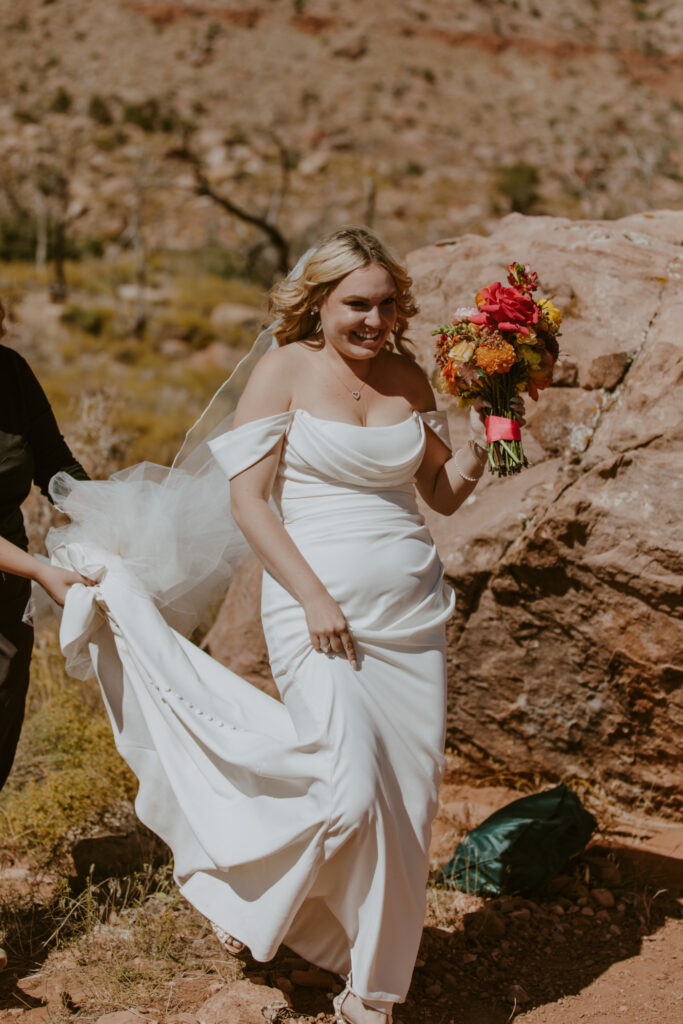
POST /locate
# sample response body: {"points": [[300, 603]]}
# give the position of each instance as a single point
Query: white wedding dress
{"points": [[305, 822]]}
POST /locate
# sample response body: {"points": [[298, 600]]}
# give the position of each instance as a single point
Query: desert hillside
{"points": [[426, 118]]}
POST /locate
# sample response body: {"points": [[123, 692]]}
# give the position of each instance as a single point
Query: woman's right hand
{"points": [[329, 629], [57, 582]]}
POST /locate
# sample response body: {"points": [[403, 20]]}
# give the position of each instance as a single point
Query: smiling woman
{"points": [[308, 821], [296, 301]]}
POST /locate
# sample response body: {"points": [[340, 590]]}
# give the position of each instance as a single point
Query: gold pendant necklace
{"points": [[355, 393]]}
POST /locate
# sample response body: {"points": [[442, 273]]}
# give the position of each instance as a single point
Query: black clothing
{"points": [[13, 688], [31, 446], [31, 449]]}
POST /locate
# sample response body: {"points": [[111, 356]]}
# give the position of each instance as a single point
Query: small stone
{"points": [[607, 371], [122, 1017], [587, 911], [558, 910], [433, 991], [582, 901], [469, 958], [312, 977], [615, 929], [516, 994], [603, 897], [239, 1003], [610, 874], [558, 884], [621, 907], [523, 914], [485, 923], [602, 915], [575, 890]]}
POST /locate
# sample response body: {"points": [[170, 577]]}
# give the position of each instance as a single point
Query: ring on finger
{"points": [[325, 647]]}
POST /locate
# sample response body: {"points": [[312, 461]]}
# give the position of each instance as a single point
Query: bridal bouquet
{"points": [[504, 346]]}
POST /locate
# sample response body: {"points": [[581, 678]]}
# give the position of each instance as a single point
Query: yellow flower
{"points": [[530, 356], [528, 339], [550, 314], [462, 352]]}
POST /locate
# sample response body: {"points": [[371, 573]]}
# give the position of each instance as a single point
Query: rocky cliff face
{"points": [[565, 654], [565, 651]]}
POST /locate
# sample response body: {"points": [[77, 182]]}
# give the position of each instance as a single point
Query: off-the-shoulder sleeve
{"points": [[240, 448], [437, 421]]}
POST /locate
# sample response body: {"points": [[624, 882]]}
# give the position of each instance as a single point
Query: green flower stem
{"points": [[515, 458], [504, 457]]}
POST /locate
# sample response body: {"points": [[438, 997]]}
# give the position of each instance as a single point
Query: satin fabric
{"points": [[308, 821]]}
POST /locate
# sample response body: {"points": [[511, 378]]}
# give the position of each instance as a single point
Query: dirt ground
{"points": [[603, 944]]}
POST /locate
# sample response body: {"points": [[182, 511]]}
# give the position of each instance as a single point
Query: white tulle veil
{"points": [[172, 527]]}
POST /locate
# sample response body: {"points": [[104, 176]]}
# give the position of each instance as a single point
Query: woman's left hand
{"points": [[481, 408]]}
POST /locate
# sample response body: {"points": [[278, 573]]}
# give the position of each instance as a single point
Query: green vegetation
{"points": [[99, 111], [91, 319], [519, 183], [18, 233], [68, 773], [151, 116], [144, 115], [107, 142], [61, 101]]}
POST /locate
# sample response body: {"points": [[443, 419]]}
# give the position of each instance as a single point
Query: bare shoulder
{"points": [[277, 361], [269, 388], [410, 378]]}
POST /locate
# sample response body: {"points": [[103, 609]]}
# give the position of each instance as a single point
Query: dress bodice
{"points": [[331, 452]]}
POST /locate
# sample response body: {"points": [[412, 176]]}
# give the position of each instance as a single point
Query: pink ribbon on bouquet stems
{"points": [[500, 428]]}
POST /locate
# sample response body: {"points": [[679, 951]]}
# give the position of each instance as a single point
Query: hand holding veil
{"points": [[171, 528]]}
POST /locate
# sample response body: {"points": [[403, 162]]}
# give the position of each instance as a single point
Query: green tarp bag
{"points": [[522, 846]]}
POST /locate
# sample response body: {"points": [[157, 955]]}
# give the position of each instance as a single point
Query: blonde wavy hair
{"points": [[349, 249]]}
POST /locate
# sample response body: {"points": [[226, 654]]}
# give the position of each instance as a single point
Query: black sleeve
{"points": [[50, 451]]}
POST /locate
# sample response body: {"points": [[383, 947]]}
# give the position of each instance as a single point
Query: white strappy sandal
{"points": [[339, 1015], [228, 941]]}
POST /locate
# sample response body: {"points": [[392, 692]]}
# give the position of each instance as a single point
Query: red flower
{"points": [[506, 308]]}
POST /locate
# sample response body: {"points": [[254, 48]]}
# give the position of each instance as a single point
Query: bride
{"points": [[308, 821]]}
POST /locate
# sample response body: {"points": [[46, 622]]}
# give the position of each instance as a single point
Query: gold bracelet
{"points": [[470, 479]]}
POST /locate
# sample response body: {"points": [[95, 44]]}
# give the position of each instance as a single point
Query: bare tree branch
{"points": [[203, 187]]}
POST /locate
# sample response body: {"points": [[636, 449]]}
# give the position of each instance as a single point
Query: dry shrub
{"points": [[98, 439], [68, 775]]}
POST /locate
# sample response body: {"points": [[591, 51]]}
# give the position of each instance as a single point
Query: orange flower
{"points": [[495, 360]]}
